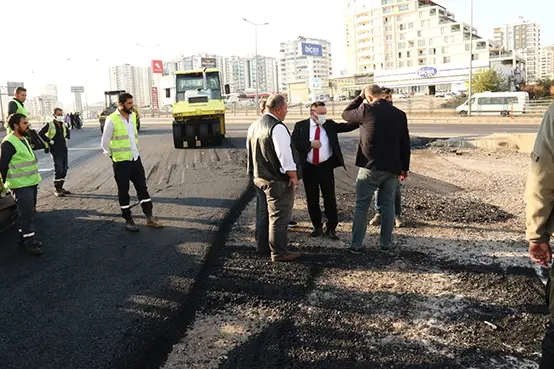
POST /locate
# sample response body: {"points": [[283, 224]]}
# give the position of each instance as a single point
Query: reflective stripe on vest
{"points": [[120, 144], [23, 167]]}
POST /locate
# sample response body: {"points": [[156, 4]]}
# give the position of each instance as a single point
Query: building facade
{"points": [[135, 80], [416, 46], [524, 38], [304, 59], [547, 63], [242, 74]]}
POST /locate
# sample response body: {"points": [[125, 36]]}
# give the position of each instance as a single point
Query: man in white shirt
{"points": [[120, 143], [272, 163]]}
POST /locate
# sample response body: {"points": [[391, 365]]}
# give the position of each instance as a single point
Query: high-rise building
{"points": [[547, 62], [417, 46], [50, 89], [524, 38], [304, 59], [198, 61], [135, 80], [242, 74]]}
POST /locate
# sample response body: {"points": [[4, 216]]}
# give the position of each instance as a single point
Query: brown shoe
{"points": [[153, 222], [289, 256]]}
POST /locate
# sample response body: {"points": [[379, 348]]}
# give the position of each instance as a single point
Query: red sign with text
{"points": [[157, 66], [155, 104]]}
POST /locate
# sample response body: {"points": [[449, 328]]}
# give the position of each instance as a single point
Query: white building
{"points": [[304, 59], [135, 80], [242, 73], [547, 63], [416, 46], [524, 38]]}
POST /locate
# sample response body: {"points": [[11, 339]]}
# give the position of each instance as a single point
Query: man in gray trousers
{"points": [[272, 163]]}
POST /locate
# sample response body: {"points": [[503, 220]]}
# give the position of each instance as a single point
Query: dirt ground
{"points": [[458, 292]]}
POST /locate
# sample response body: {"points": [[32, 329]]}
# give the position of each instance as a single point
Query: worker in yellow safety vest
{"points": [[120, 143], [55, 135], [19, 173], [17, 105]]}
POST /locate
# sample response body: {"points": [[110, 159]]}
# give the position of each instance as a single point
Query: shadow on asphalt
{"points": [[189, 201]]}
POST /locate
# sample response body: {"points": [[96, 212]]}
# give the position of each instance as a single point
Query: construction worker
{"points": [[54, 134], [19, 172], [120, 143], [17, 105]]}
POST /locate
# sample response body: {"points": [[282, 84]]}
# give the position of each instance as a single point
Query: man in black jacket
{"points": [[383, 155], [319, 152], [55, 134]]}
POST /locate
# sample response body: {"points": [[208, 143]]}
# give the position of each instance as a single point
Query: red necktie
{"points": [[316, 151]]}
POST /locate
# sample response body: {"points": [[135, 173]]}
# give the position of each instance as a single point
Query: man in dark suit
{"points": [[383, 155], [319, 152]]}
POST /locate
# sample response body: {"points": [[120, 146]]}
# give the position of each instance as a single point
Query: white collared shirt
{"points": [[108, 134], [325, 151]]}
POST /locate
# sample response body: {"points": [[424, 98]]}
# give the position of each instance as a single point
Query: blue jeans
{"points": [[397, 201], [368, 181]]}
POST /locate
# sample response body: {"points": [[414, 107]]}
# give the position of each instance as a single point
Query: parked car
{"points": [[439, 94]]}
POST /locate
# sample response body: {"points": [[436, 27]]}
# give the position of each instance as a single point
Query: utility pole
{"points": [[470, 90], [256, 58]]}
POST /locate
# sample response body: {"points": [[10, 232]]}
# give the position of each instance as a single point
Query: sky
{"points": [[98, 34]]}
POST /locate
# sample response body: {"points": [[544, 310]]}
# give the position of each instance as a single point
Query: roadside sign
{"points": [[157, 66]]}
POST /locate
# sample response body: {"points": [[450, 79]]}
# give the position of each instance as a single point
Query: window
{"points": [[411, 25], [403, 8], [430, 41], [422, 23], [388, 37], [401, 64], [402, 36], [421, 43], [484, 101], [399, 18], [408, 54], [419, 33], [402, 45], [446, 59], [421, 14], [433, 51], [400, 55], [410, 63], [443, 30], [467, 47]]}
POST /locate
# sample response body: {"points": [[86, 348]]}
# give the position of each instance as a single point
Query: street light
{"points": [[150, 75], [470, 89], [256, 57]]}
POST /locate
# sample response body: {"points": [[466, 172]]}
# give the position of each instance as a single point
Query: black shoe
{"points": [[34, 248], [59, 193], [66, 192], [131, 226], [318, 232], [332, 235], [391, 247], [292, 224], [355, 250]]}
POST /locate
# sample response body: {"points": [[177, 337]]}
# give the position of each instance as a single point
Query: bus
{"points": [[496, 103]]}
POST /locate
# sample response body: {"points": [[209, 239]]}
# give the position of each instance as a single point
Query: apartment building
{"points": [[304, 59], [135, 80], [416, 46], [547, 63], [198, 61], [524, 38]]}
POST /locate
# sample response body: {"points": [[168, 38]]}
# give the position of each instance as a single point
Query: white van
{"points": [[496, 103]]}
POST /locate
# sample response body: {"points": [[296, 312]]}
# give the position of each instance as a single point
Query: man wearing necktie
{"points": [[318, 145]]}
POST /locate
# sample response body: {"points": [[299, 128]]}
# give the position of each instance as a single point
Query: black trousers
{"points": [[131, 171], [321, 177], [60, 165], [26, 200]]}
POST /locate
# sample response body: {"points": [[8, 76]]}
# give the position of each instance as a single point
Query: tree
{"points": [[488, 80]]}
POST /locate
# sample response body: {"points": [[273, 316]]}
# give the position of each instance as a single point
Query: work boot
{"points": [[376, 221], [153, 222], [288, 256], [332, 234], [131, 226], [398, 222], [65, 192], [58, 191], [317, 232], [292, 224], [34, 248]]}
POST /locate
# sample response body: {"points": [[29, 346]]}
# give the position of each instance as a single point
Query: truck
{"points": [[110, 105], [199, 109]]}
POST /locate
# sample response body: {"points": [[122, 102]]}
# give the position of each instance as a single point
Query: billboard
{"points": [[76, 89], [311, 49], [208, 62], [155, 104], [12, 86], [157, 66]]}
